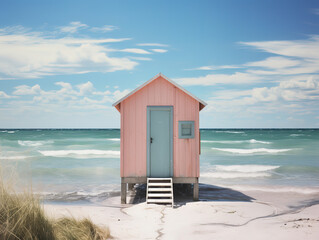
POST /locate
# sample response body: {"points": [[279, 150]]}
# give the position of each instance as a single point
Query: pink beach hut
{"points": [[159, 134]]}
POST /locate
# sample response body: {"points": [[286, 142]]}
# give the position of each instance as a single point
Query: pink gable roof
{"points": [[202, 104]]}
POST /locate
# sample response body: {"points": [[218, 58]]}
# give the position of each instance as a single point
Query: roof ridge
{"points": [[151, 80]]}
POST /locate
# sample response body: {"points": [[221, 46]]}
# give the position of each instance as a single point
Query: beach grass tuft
{"points": [[22, 217]]}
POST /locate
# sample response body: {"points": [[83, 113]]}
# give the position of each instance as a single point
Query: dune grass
{"points": [[22, 217]]}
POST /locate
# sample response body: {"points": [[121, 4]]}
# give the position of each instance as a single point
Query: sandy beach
{"points": [[221, 213]]}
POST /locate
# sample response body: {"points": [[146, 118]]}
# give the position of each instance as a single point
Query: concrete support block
{"points": [[195, 190], [123, 192]]}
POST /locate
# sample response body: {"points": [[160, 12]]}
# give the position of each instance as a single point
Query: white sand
{"points": [[269, 216]]}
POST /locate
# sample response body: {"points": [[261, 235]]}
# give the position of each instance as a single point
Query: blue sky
{"points": [[63, 63]]}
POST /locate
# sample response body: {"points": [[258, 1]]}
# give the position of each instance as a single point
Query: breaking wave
{"points": [[239, 171], [114, 139], [89, 153], [33, 143], [235, 132], [245, 168], [296, 135], [14, 157], [240, 141], [230, 175], [252, 151]]}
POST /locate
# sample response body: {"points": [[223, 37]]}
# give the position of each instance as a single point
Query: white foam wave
{"points": [[231, 175], [296, 135], [11, 131], [114, 139], [276, 189], [236, 132], [240, 141], [33, 143], [13, 157], [252, 151], [245, 168], [88, 153]]}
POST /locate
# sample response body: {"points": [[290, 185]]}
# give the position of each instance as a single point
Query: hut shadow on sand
{"points": [[183, 194]]}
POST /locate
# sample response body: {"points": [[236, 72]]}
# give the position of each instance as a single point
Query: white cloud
{"points": [[306, 49], [141, 58], [105, 28], [73, 27], [4, 95], [135, 50], [82, 96], [285, 84], [119, 94], [216, 67], [32, 55], [85, 88], [274, 63], [67, 106], [27, 90], [152, 45], [159, 50], [213, 79], [297, 95]]}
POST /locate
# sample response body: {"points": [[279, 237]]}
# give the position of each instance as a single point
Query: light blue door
{"points": [[160, 129]]}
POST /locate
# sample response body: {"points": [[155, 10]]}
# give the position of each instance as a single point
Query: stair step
{"points": [[159, 184], [160, 195], [159, 189], [159, 200], [159, 179]]}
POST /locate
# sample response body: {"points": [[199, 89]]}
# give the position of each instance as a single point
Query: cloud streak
{"points": [[152, 45], [286, 81], [33, 55], [73, 27], [213, 79], [30, 54]]}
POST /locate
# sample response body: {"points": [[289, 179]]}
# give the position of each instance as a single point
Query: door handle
{"points": [[151, 140]]}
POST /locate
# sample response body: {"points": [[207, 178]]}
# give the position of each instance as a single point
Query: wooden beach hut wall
{"points": [[159, 134]]}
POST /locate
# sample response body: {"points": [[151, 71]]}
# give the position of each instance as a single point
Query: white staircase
{"points": [[160, 190]]}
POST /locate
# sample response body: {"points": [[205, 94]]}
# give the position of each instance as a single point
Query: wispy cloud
{"points": [[141, 58], [29, 54], [286, 81], [73, 27], [306, 49], [213, 79], [135, 50], [274, 63], [208, 68], [291, 58], [158, 50], [105, 28], [152, 45], [5, 96]]}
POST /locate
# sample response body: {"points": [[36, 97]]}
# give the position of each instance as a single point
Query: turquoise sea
{"points": [[84, 165]]}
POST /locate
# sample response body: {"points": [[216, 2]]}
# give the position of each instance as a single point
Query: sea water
{"points": [[84, 165]]}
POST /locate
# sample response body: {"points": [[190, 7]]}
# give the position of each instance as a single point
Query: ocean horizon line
{"points": [[1, 129]]}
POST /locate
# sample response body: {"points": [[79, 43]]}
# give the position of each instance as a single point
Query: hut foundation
{"points": [[127, 182]]}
